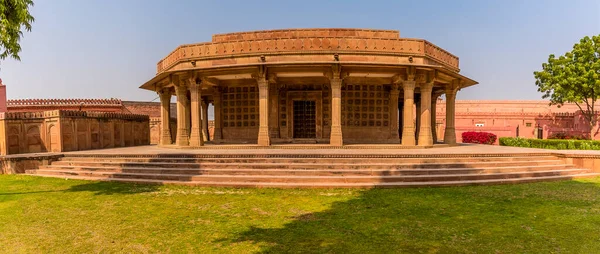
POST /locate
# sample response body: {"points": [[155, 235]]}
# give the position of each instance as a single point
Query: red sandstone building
{"points": [[527, 119], [330, 86]]}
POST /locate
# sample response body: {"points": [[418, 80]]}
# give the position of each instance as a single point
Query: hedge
{"points": [[478, 137], [559, 144]]}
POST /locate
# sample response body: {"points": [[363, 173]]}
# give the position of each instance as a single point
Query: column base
{"points": [[408, 137], [336, 138], [263, 137], [450, 136], [425, 138], [182, 138], [196, 138], [165, 139]]}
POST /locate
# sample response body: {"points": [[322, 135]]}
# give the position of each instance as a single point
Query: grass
{"points": [[69, 216]]}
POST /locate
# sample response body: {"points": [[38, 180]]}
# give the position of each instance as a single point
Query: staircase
{"points": [[315, 170]]}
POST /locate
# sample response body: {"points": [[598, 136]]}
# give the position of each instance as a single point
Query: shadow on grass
{"points": [[112, 188], [539, 217]]}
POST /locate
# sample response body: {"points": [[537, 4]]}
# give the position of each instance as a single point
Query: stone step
{"points": [[313, 172], [307, 160], [337, 185], [311, 179], [304, 165]]}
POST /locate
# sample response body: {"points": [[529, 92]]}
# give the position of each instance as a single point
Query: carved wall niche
{"points": [[13, 139], [68, 138], [83, 136], [53, 138], [117, 133], [106, 134], [95, 134], [128, 134], [34, 140]]}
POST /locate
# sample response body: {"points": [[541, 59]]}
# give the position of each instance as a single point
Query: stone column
{"points": [[425, 137], [417, 114], [188, 114], [394, 93], [205, 133], [263, 109], [165, 117], [336, 138], [408, 124], [196, 110], [434, 99], [182, 131], [400, 116], [218, 135], [450, 132], [274, 111]]}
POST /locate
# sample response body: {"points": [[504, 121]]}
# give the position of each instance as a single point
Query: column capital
{"points": [[395, 89], [409, 85], [181, 90], [452, 88], [336, 74], [428, 86]]}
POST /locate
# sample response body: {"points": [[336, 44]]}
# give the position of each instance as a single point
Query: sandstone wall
{"points": [[63, 131]]}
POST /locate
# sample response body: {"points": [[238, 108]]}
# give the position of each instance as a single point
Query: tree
{"points": [[14, 16], [574, 78]]}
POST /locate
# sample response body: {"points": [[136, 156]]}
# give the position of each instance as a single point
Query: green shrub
{"points": [[561, 144], [518, 142]]}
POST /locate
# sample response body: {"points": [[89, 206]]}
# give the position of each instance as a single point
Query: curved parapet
{"points": [[302, 45]]}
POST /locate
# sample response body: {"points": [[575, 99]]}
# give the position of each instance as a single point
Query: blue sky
{"points": [[108, 48]]}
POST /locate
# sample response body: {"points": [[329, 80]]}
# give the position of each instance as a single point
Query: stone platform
{"points": [[306, 166]]}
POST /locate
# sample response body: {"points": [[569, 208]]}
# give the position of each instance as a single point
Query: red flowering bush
{"points": [[475, 137]]}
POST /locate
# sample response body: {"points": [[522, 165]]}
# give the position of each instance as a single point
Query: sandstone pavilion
{"points": [[324, 86], [311, 108]]}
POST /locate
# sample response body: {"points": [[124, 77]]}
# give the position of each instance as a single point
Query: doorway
{"points": [[305, 125]]}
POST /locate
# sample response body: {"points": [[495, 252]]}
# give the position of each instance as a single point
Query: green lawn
{"points": [[68, 216]]}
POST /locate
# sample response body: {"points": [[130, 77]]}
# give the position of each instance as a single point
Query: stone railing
{"points": [[304, 33], [44, 102], [416, 47], [63, 130], [70, 113]]}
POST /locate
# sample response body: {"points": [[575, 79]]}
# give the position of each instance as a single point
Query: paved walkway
{"points": [[306, 149]]}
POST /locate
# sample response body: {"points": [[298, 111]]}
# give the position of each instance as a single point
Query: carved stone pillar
{"points": [[434, 99], [408, 124], [394, 93], [400, 116], [274, 110], [217, 108], [182, 131], [205, 133], [425, 137], [263, 110], [165, 118], [196, 110], [450, 132], [417, 114], [188, 114], [336, 138]]}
